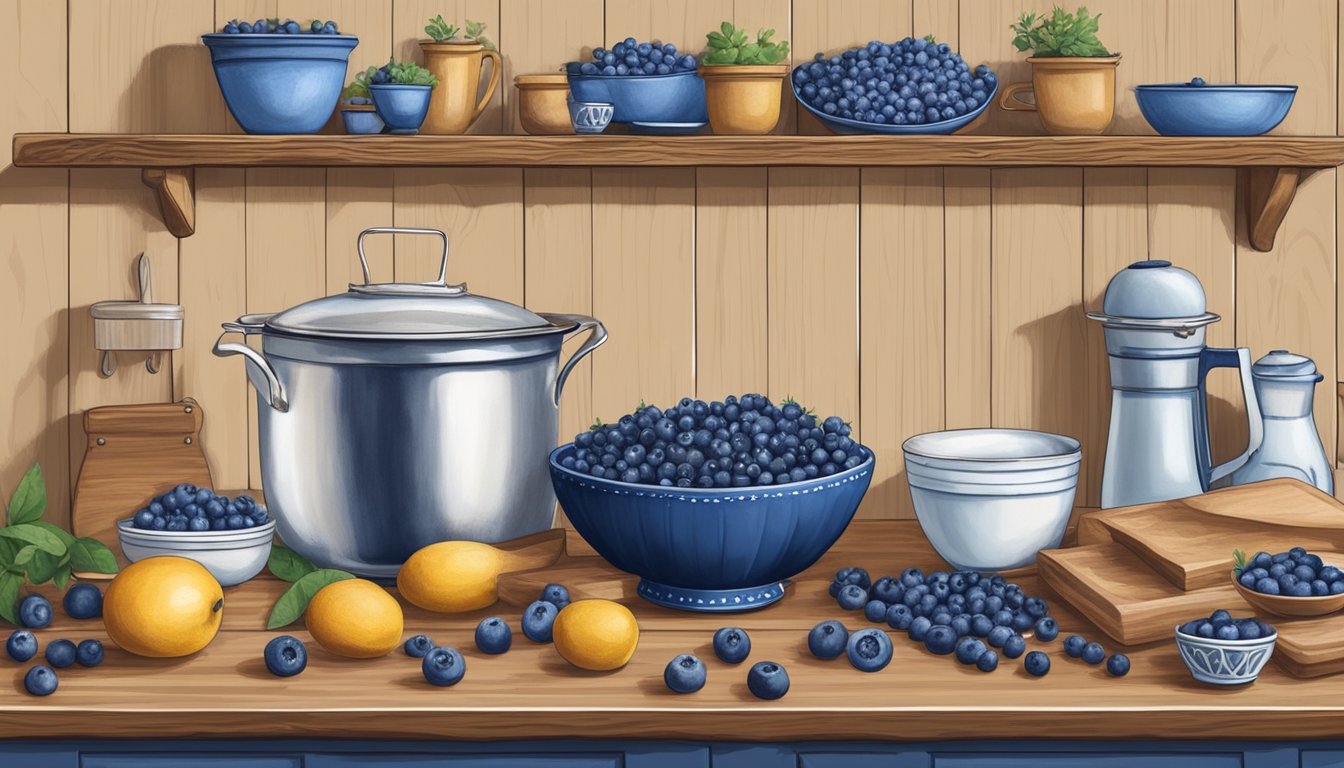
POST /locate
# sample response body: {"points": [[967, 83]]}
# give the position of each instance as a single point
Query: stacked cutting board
{"points": [[1139, 571]]}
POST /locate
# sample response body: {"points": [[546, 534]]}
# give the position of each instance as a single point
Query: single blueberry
{"points": [[444, 666], [827, 640], [1014, 646], [21, 645], [1074, 644], [1047, 629], [60, 653], [89, 653], [875, 610], [869, 650], [940, 639], [988, 661], [981, 625], [493, 635], [35, 612], [732, 644], [919, 628], [41, 680], [768, 680], [556, 594], [852, 597], [685, 674], [1037, 664], [538, 621], [83, 601], [1093, 653], [285, 656], [418, 646], [899, 616], [969, 650], [1117, 665]]}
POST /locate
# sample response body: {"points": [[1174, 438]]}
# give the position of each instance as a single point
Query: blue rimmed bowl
{"points": [[1187, 109], [678, 97], [280, 83], [846, 126], [711, 549]]}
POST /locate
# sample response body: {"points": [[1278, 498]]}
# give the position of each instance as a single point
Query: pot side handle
{"points": [[259, 371], [597, 336]]}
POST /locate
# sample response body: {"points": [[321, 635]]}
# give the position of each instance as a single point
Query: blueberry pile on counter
{"points": [[1221, 626], [188, 508], [82, 601], [733, 443], [631, 57], [1295, 573], [277, 27], [911, 82]]}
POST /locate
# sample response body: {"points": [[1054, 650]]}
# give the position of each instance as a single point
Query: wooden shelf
{"points": [[1272, 165]]}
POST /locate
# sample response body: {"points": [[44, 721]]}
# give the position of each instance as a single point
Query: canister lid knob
{"points": [[1154, 289]]}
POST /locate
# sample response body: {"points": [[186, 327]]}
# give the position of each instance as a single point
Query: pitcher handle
{"points": [[597, 336], [1009, 101], [497, 62], [1240, 359]]}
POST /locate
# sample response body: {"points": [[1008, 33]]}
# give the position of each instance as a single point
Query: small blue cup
{"points": [[402, 107], [590, 116]]}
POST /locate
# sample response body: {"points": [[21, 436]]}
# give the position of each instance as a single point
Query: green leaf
{"points": [[24, 556], [33, 534], [717, 40], [65, 536], [62, 576], [43, 567], [294, 601], [30, 497], [93, 556], [9, 597], [9, 548], [287, 564]]}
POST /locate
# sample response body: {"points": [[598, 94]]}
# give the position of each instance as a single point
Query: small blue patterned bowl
{"points": [[1224, 662], [590, 116], [711, 549]]}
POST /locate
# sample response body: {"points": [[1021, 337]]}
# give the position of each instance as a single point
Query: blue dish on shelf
{"points": [[710, 549], [280, 83], [1195, 109], [402, 107], [846, 126], [674, 98]]}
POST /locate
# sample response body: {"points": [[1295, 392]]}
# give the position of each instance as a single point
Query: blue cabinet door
{"points": [[177, 760], [1091, 760]]}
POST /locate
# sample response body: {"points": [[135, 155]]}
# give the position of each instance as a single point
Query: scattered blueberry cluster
{"points": [[188, 508], [739, 442], [767, 680], [1078, 647], [1221, 626], [1295, 573], [277, 27], [35, 613], [631, 57], [911, 82]]}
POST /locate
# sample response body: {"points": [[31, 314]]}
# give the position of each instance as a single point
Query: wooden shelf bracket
{"points": [[1268, 193], [175, 189]]}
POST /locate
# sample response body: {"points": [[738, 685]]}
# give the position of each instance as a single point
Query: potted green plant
{"points": [[457, 60], [356, 107], [401, 91], [743, 79], [1072, 73]]}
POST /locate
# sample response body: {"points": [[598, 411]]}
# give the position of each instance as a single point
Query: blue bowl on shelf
{"points": [[402, 107], [846, 126], [710, 549], [362, 121], [1188, 109], [280, 83], [674, 98]]}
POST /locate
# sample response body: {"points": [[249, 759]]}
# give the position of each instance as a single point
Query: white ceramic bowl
{"points": [[990, 499], [1224, 662], [232, 557]]}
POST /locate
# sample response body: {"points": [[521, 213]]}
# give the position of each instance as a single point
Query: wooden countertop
{"points": [[531, 693]]}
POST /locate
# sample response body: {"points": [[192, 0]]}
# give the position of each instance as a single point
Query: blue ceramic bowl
{"points": [[280, 83], [402, 107], [675, 98], [1182, 109], [846, 126], [710, 549], [362, 121]]}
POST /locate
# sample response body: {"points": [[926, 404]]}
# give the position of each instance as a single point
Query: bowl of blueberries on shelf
{"points": [[280, 76], [908, 87], [713, 504], [651, 86], [230, 537], [1296, 583], [1223, 650]]}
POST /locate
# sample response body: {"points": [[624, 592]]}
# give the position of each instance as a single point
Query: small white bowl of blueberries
{"points": [[1222, 650], [230, 537]]}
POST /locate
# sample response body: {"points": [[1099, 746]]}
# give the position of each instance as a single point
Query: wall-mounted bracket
{"points": [[1267, 193], [176, 191]]}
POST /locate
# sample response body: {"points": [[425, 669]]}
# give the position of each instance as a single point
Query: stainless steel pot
{"points": [[397, 415]]}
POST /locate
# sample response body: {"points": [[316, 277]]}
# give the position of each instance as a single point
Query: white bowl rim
{"points": [[1067, 447], [183, 548], [1226, 643], [127, 527]]}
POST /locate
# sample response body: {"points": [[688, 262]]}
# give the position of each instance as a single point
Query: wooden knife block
{"points": [[135, 452]]}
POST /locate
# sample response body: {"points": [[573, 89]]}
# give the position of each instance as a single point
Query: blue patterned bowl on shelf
{"points": [[280, 83], [1224, 662], [711, 549], [675, 98], [843, 125]]}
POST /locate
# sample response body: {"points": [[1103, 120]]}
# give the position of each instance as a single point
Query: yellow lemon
{"points": [[355, 618], [451, 576], [163, 607], [596, 634]]}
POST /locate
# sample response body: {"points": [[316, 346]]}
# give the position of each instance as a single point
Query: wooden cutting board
{"points": [[1190, 541]]}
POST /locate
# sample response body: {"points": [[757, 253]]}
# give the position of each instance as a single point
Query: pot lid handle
{"points": [[439, 285]]}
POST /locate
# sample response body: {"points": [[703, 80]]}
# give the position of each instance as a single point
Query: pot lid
{"points": [[1281, 363], [432, 310], [1153, 290]]}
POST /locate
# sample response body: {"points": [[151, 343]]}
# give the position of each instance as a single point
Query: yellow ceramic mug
{"points": [[453, 106], [1074, 95]]}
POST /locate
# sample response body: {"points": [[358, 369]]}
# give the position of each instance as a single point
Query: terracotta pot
{"points": [[453, 107], [743, 99], [543, 103], [1074, 95]]}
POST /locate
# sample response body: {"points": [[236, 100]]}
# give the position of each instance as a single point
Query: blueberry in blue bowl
{"points": [[285, 656], [685, 674], [645, 82], [1224, 650], [768, 680], [869, 650], [828, 639], [732, 644], [443, 667], [722, 505]]}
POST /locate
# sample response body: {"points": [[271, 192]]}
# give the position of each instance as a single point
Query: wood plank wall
{"points": [[905, 299]]}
